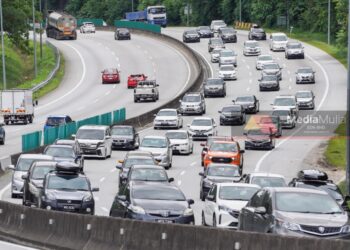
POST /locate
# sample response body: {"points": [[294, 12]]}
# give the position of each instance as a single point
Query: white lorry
{"points": [[17, 106]]}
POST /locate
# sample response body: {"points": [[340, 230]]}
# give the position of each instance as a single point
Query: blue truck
{"points": [[151, 15]]}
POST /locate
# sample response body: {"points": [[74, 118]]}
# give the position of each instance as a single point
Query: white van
{"points": [[278, 41]]}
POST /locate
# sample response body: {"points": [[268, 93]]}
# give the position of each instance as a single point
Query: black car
{"points": [[217, 173], [125, 165], [2, 134], [191, 36], [155, 202], [259, 139], [205, 32], [33, 181], [214, 87], [257, 33], [122, 34], [228, 35], [249, 102], [124, 137], [66, 189], [233, 114], [269, 82], [316, 179], [64, 153]]}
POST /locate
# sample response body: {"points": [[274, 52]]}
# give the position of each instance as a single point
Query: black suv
{"points": [[122, 33], [249, 102], [66, 189], [228, 35], [316, 179], [257, 33], [2, 134], [124, 137], [33, 181], [64, 153], [233, 114], [214, 87], [190, 36]]}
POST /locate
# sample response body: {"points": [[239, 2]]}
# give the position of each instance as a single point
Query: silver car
{"points": [[286, 102], [167, 118], [215, 55], [263, 59], [228, 57], [228, 72], [296, 212], [23, 164], [294, 50], [251, 48], [305, 75], [161, 149], [217, 24], [272, 69], [181, 141], [305, 99], [214, 43], [192, 103]]}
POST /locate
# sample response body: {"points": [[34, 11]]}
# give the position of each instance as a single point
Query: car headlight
{"points": [[49, 197], [87, 198], [224, 208], [208, 130], [233, 158], [289, 226], [345, 229], [188, 212], [137, 209]]}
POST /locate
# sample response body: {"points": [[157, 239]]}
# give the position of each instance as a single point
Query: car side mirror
{"points": [[157, 85], [155, 115], [201, 174], [245, 133], [12, 167], [121, 197], [233, 101], [214, 125], [24, 177], [95, 189], [220, 111], [188, 125], [118, 167], [260, 210], [171, 179], [108, 137], [210, 197], [242, 151], [244, 176], [74, 136], [190, 201], [203, 144]]}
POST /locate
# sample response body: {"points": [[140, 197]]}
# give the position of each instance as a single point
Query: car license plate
{"points": [[164, 123], [165, 221], [66, 207]]}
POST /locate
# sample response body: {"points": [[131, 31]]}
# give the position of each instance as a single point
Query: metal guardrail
{"points": [[53, 72]]}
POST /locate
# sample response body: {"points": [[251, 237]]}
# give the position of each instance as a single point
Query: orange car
{"points": [[224, 152]]}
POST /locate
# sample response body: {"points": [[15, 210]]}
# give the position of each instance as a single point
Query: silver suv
{"points": [[192, 103], [286, 102], [272, 69]]}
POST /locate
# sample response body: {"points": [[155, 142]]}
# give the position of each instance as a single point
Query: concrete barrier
{"points": [[4, 162]]}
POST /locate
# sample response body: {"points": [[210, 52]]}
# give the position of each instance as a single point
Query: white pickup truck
{"points": [[146, 90]]}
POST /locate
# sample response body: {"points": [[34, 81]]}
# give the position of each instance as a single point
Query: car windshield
{"points": [[216, 42], [90, 134], [191, 32], [148, 175], [305, 70], [251, 44], [64, 152], [201, 122], [177, 135], [154, 143], [89, 24], [303, 202], [237, 193], [294, 46], [55, 121], [157, 10], [24, 164], [121, 131], [305, 94], [284, 102], [214, 82], [245, 99], [334, 192], [124, 30], [227, 53], [281, 112], [231, 109], [268, 181], [138, 161], [110, 71], [223, 147], [280, 38], [228, 31], [271, 66], [257, 30], [269, 78], [266, 120], [216, 51], [265, 58], [39, 172], [191, 98], [227, 68], [68, 182], [223, 171], [219, 23], [261, 132], [167, 113], [204, 28], [156, 193]]}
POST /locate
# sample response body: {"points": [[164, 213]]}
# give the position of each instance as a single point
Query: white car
{"points": [[228, 57], [265, 179], [217, 24], [286, 102], [215, 55], [202, 127], [228, 72], [167, 118], [181, 141], [94, 140], [224, 203], [251, 48], [87, 27], [278, 41], [262, 60]]}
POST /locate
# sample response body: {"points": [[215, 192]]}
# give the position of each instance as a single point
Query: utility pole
{"points": [[188, 13], [41, 33], [132, 5], [329, 22], [348, 113], [34, 36], [240, 10], [3, 48], [287, 14]]}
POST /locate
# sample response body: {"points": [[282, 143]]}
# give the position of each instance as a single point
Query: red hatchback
{"points": [[110, 75], [134, 79]]}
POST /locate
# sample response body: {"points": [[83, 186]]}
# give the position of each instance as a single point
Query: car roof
{"points": [[265, 55], [192, 93], [304, 91], [64, 142], [261, 174], [99, 127], [250, 41], [296, 190], [176, 131], [60, 146], [57, 116], [226, 50], [154, 137], [235, 184], [222, 165], [142, 185], [285, 96], [168, 110], [139, 157], [36, 156], [202, 118], [44, 163], [304, 68], [148, 167], [138, 152], [122, 126], [278, 34], [232, 105], [293, 43], [241, 96]]}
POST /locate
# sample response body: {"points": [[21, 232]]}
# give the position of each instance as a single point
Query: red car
{"points": [[134, 79], [110, 75]]}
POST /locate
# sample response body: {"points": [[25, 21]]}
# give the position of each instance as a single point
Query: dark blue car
{"points": [[57, 120]]}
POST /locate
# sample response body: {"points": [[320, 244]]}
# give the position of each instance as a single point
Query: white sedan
{"points": [[87, 27], [262, 60], [168, 118], [202, 127], [224, 202], [181, 141], [228, 72]]}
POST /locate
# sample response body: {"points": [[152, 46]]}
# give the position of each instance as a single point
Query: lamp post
{"points": [[3, 48], [34, 38], [348, 114], [329, 23], [240, 10]]}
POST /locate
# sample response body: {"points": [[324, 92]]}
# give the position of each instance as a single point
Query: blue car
{"points": [[57, 120]]}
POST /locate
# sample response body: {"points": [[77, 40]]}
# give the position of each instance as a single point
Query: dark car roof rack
{"points": [[312, 175], [67, 168]]}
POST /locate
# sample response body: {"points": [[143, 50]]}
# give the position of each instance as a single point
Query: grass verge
{"points": [[335, 152]]}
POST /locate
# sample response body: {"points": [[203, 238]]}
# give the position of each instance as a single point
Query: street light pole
{"points": [[41, 34], [132, 5], [34, 36], [2, 48], [240, 10], [348, 114], [329, 22]]}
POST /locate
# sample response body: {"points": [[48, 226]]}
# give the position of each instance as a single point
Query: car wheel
{"points": [[203, 220], [135, 100], [202, 163], [260, 89], [214, 220]]}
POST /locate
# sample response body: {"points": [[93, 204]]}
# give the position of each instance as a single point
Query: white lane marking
{"points": [[258, 165], [99, 43], [96, 198], [96, 100], [114, 86], [288, 72], [118, 65], [76, 86], [183, 172], [284, 65], [250, 80], [243, 60], [117, 60], [290, 79], [107, 48], [14, 246], [113, 170], [179, 183], [154, 64], [138, 46], [146, 52], [248, 89], [113, 53], [250, 73], [102, 179], [290, 87], [104, 209], [108, 92], [278, 58], [193, 163], [151, 58], [2, 191], [248, 67]]}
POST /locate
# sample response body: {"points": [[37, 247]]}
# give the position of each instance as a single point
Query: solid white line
{"points": [[76, 86], [114, 86], [183, 172], [179, 183], [248, 89], [14, 246], [104, 209], [2, 191], [193, 163], [258, 165], [211, 67], [102, 179], [113, 170], [108, 92]]}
